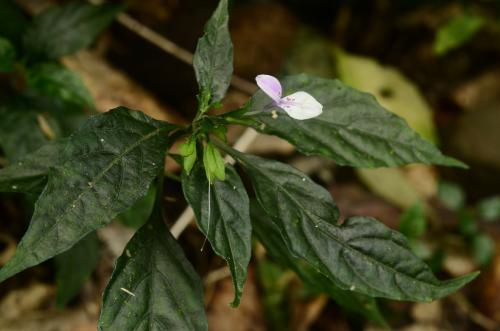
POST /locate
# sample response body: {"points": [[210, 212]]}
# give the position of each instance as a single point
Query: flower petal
{"points": [[301, 105], [270, 85]]}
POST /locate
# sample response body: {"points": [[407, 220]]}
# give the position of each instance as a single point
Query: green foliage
{"points": [[213, 163], [412, 222], [188, 152], [29, 174], [55, 81], [483, 249], [489, 209], [361, 254], [99, 176], [12, 21], [7, 55], [74, 268], [269, 234], [353, 129], [451, 195], [153, 286], [213, 58], [63, 30], [137, 215], [223, 215], [456, 32]]}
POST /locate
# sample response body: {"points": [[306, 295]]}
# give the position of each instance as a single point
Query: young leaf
{"points": [[63, 30], [213, 58], [227, 226], [213, 162], [188, 152], [29, 174], [74, 268], [53, 80], [269, 235], [353, 129], [362, 255], [105, 168], [153, 287], [7, 55], [456, 32]]}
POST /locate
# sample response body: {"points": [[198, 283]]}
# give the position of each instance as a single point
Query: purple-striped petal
{"points": [[301, 105]]}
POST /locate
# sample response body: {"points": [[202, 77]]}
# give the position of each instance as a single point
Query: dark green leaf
{"points": [[20, 132], [153, 287], [456, 32], [226, 223], [451, 195], [362, 254], [29, 174], [63, 30], [12, 21], [137, 215], [7, 55], [270, 237], [483, 249], [74, 268], [213, 163], [489, 209], [53, 80], [213, 58], [353, 129], [105, 168], [412, 222]]}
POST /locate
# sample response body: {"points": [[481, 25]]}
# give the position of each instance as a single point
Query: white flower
{"points": [[299, 105]]}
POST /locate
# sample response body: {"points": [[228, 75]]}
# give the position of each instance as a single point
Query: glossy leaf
{"points": [[63, 30], [7, 55], [55, 81], [213, 58], [153, 287], [227, 226], [29, 174], [362, 254], [353, 129], [105, 168], [269, 235], [74, 268]]}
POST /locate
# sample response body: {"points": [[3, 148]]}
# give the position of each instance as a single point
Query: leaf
{"points": [[451, 195], [353, 129], [456, 32], [213, 58], [226, 223], [483, 249], [188, 152], [362, 254], [153, 287], [20, 131], [269, 235], [74, 268], [105, 168], [412, 222], [29, 174], [489, 209], [12, 21], [137, 215], [7, 55], [63, 30], [213, 162], [55, 81]]}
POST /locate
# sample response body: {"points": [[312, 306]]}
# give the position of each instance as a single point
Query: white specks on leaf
{"points": [[127, 291], [274, 114]]}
